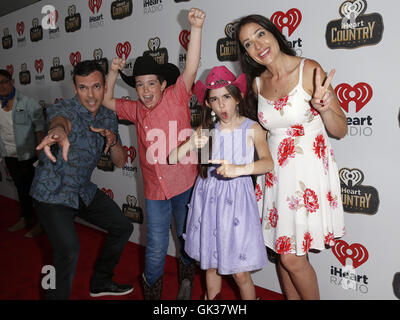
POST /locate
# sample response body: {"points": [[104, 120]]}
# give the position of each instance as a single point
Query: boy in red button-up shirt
{"points": [[162, 117]]}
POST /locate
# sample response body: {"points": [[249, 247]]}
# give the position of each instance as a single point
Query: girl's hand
{"points": [[199, 140], [117, 64], [226, 169], [322, 98], [196, 17]]}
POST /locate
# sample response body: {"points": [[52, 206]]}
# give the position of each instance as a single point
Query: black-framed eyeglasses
{"points": [[4, 81]]}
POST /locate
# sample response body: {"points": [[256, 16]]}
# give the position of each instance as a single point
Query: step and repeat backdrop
{"points": [[360, 39]]}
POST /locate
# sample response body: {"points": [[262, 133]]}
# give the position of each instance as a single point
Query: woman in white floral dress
{"points": [[300, 202]]}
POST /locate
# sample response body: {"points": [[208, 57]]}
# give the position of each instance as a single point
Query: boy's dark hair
{"points": [[84, 68], [251, 68], [6, 74]]}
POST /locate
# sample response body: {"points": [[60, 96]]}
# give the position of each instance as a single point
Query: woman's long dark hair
{"points": [[208, 123], [251, 68]]}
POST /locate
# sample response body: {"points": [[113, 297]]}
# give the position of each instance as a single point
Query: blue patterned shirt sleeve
{"points": [[64, 182]]}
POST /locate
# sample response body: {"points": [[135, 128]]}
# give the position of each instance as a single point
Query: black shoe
{"points": [[396, 285], [114, 289]]}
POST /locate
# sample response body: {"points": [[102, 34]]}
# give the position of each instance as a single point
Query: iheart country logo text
{"points": [[357, 198], [355, 28]]}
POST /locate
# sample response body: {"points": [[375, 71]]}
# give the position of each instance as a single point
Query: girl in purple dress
{"points": [[223, 229]]}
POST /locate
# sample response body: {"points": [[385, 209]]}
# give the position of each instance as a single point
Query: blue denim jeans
{"points": [[158, 217]]}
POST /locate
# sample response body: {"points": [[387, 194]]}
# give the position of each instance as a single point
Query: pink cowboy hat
{"points": [[217, 78]]}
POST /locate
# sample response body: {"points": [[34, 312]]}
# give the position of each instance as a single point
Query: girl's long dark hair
{"points": [[208, 123], [251, 68]]}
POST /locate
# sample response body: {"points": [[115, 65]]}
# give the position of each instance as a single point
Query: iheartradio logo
{"points": [[291, 19], [130, 154], [95, 4], [356, 252], [75, 58], [123, 50], [184, 39], [108, 192], [20, 28], [360, 94], [39, 65], [10, 69]]}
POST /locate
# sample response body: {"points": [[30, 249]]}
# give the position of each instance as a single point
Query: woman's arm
{"points": [[324, 98]]}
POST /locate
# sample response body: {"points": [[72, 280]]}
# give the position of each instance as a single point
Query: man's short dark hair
{"points": [[84, 68], [6, 74]]}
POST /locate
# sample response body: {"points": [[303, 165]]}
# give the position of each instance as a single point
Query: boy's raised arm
{"points": [[196, 19], [109, 100]]}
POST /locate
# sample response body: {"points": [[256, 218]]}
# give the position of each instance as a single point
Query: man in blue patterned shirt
{"points": [[80, 129]]}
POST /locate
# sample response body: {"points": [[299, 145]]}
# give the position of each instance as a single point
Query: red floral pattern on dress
{"points": [[310, 200], [273, 217], [258, 192], [295, 131], [283, 245], [286, 150], [261, 118], [332, 200], [319, 146], [279, 104], [329, 239], [307, 242], [314, 111], [270, 179]]}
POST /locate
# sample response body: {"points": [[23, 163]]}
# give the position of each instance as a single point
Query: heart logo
{"points": [[356, 252], [108, 192], [10, 69], [39, 65], [351, 178], [130, 154], [154, 43], [184, 38], [361, 93], [75, 58], [230, 30], [123, 49], [131, 200], [20, 28], [352, 9], [95, 4], [291, 19]]}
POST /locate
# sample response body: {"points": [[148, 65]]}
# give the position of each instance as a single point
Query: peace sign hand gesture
{"points": [[322, 98], [199, 139]]}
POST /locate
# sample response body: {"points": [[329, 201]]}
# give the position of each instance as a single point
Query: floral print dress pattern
{"points": [[299, 201]]}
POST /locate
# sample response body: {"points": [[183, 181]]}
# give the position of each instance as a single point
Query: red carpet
{"points": [[22, 260]]}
